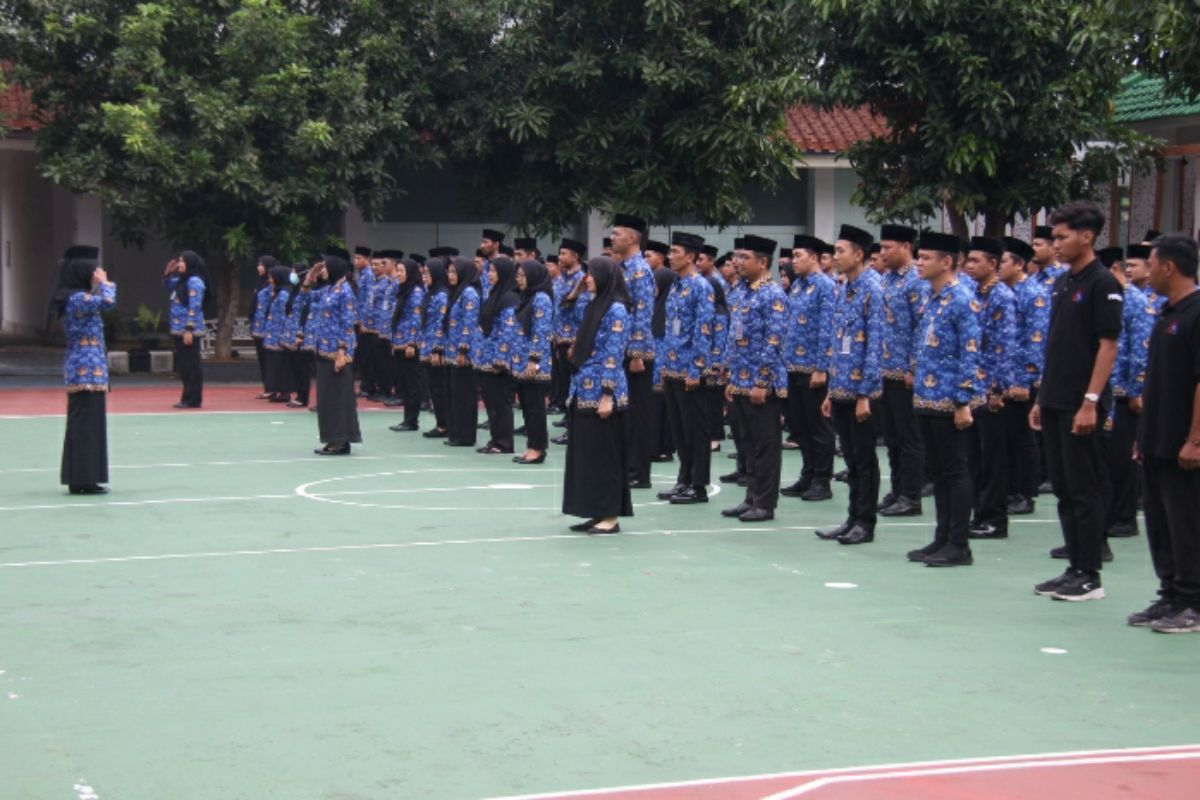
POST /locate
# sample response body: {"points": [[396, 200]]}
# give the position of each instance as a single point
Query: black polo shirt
{"points": [[1085, 307], [1171, 377]]}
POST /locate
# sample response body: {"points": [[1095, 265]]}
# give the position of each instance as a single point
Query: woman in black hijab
{"points": [[434, 315], [337, 411], [664, 448], [532, 359], [258, 318], [497, 326], [81, 294], [461, 330], [279, 366], [595, 485], [187, 279], [405, 332]]}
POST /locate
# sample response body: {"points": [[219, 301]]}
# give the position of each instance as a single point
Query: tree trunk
{"points": [[958, 223], [228, 294], [994, 224]]}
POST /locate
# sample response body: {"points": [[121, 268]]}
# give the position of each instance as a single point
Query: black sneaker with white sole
{"points": [[1048, 588], [1155, 611], [1184, 621], [1080, 586]]}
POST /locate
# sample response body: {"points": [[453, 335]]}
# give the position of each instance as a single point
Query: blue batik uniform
{"points": [[856, 346], [383, 307], [640, 281], [565, 322], [407, 330], [1048, 275], [336, 315], [1156, 300], [365, 280], [1033, 325], [292, 332], [258, 320], [714, 373], [433, 333], [464, 322], [903, 296], [996, 307], [967, 282], [535, 348], [85, 367], [497, 350], [484, 281], [757, 323], [947, 353], [185, 311], [274, 332], [687, 343], [732, 297], [810, 328], [602, 373], [1133, 347], [316, 299]]}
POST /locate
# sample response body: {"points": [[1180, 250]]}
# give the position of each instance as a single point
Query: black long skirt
{"points": [[463, 403], [85, 448], [595, 485], [280, 372], [302, 366], [337, 410]]}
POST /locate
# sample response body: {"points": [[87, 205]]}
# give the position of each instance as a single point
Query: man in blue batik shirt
{"points": [[855, 379], [944, 390], [1047, 267], [903, 294], [628, 233]]}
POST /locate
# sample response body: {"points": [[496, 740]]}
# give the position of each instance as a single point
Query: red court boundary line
{"points": [[821, 778]]}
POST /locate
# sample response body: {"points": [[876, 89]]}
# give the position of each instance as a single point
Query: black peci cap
{"points": [[986, 244], [1043, 232], [688, 241], [858, 236], [897, 233], [657, 247], [940, 242], [525, 243], [1110, 255], [1141, 251], [1018, 248], [493, 235], [630, 221]]}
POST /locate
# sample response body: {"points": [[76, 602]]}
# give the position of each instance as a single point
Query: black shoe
{"points": [[521, 459], [562, 423], [634, 483], [927, 489], [919, 555], [521, 431], [451, 443], [403, 427], [818, 491], [376, 398], [1048, 588], [736, 511], [1122, 530], [483, 449], [902, 507], [1046, 488], [1020, 506], [842, 475], [1186, 620], [950, 556], [757, 515], [732, 477], [597, 531], [887, 500], [796, 489], [493, 450], [436, 433], [834, 533], [582, 527], [560, 439], [743, 481], [1060, 552], [662, 458], [190, 405], [732, 456], [393, 402], [674, 490], [91, 488], [1080, 586], [1157, 610], [689, 496], [278, 398], [313, 409], [1106, 553], [987, 532], [332, 450], [788, 444], [857, 535], [555, 410]]}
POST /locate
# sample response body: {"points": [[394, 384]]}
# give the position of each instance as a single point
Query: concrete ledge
{"points": [[162, 361], [118, 362]]}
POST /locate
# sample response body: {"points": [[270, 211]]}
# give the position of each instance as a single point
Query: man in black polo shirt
{"points": [[1085, 322], [1169, 445]]}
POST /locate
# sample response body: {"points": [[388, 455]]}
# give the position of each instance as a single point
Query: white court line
{"points": [[409, 545], [836, 780], [252, 461], [1028, 758]]}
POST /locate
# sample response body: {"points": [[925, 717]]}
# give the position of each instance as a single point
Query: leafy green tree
{"points": [[991, 104], [1167, 42]]}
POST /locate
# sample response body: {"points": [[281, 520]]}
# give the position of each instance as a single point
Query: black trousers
{"points": [[945, 449], [813, 430], [760, 428], [85, 445], [1173, 529], [639, 427], [533, 409], [741, 448], [384, 364], [560, 376], [367, 382], [686, 417], [411, 380], [988, 463], [497, 399], [664, 444], [594, 483], [1076, 469], [187, 364], [462, 401], [260, 353], [337, 410], [1124, 475], [437, 379], [280, 376], [301, 363], [862, 465], [905, 451], [714, 409], [1024, 468]]}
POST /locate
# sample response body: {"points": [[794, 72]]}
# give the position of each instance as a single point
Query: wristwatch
{"points": [[1092, 397]]}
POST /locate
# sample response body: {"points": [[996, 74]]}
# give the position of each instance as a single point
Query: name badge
{"points": [[738, 330], [676, 327], [929, 335], [847, 341]]}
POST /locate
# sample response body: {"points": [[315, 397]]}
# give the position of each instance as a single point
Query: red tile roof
{"points": [[816, 130], [16, 109]]}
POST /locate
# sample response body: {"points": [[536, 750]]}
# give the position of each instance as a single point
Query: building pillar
{"points": [[595, 229], [354, 228], [823, 202]]}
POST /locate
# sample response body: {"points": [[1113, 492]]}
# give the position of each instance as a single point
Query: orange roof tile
{"points": [[16, 109], [817, 130]]}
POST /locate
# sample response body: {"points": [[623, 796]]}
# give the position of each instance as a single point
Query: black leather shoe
{"points": [[887, 500], [902, 507], [313, 409], [521, 431], [834, 533], [634, 483], [1060, 552], [594, 530], [88, 489], [402, 427], [1046, 488], [521, 459], [788, 444], [857, 535], [736, 511], [662, 458], [987, 532], [296, 404], [732, 477], [818, 491], [919, 555], [560, 439], [674, 490], [950, 556], [562, 423], [189, 405], [743, 481], [927, 489], [483, 426], [393, 402], [436, 433], [757, 515], [583, 527], [689, 496], [1122, 530], [1020, 505], [841, 476], [796, 489], [330, 450]]}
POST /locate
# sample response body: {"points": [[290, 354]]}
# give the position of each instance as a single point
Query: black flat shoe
{"points": [[560, 439], [636, 484], [757, 515], [436, 433], [521, 431], [189, 405], [736, 511], [834, 533], [857, 535], [584, 527], [449, 443], [90, 489], [523, 460], [313, 409], [328, 450], [597, 530], [296, 404], [403, 427], [493, 451]]}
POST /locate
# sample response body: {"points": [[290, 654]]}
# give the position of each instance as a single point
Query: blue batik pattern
{"points": [[185, 311], [433, 335], [603, 373], [496, 351], [1033, 325], [757, 325], [903, 296], [998, 355], [535, 349], [364, 279], [640, 281], [407, 331], [316, 298], [85, 365], [1154, 299], [292, 332], [714, 374], [336, 315], [688, 340], [947, 357], [1048, 275], [275, 330], [383, 307], [856, 347], [566, 322], [810, 314], [464, 325], [1133, 347], [258, 320]]}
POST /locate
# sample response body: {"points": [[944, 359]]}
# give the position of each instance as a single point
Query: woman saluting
{"points": [[595, 485], [82, 293]]}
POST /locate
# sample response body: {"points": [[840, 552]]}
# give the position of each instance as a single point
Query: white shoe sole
{"points": [[1094, 594]]}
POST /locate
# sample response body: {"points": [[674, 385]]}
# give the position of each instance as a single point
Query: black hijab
{"points": [[74, 275], [537, 281], [720, 304], [501, 296], [610, 288], [268, 262], [337, 268], [298, 268], [194, 267], [438, 282], [664, 279], [412, 279], [280, 277], [467, 274]]}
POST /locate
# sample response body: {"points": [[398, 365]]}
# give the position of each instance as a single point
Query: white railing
{"points": [[242, 341]]}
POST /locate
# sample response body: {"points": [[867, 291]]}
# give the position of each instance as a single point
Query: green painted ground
{"points": [[486, 651]]}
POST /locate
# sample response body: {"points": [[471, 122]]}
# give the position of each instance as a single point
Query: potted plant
{"points": [[148, 323]]}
